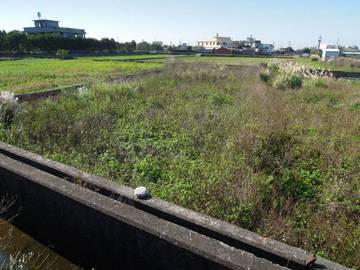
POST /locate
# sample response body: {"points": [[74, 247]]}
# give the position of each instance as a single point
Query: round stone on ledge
{"points": [[141, 193]]}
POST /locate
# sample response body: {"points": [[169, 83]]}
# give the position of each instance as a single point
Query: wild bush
{"points": [[289, 75], [328, 98], [148, 169], [63, 54], [285, 80], [315, 58], [265, 76], [8, 108], [219, 100], [320, 83], [355, 106], [301, 186]]}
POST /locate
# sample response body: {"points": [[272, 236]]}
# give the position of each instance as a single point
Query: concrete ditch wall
{"points": [[52, 93], [96, 223], [47, 93]]}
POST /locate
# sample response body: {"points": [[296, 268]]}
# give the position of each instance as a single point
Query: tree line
{"points": [[20, 42]]}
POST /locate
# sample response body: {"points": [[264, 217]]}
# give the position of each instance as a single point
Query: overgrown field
{"points": [[281, 162], [229, 60], [340, 64], [30, 75]]}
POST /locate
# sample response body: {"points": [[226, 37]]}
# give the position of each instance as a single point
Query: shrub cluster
{"points": [[315, 58], [291, 75], [63, 54]]}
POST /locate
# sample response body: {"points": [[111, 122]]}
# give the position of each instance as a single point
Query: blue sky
{"points": [[273, 21]]}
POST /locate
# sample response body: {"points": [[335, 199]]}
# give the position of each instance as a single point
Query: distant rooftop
{"points": [[329, 47], [44, 26]]}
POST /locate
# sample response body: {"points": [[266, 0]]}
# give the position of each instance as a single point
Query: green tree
{"points": [[2, 40], [144, 46], [16, 41]]}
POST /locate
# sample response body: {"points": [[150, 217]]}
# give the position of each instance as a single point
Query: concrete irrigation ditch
{"points": [[51, 93], [96, 223]]}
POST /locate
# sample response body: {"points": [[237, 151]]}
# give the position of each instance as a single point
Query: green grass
{"points": [[283, 163], [30, 75]]}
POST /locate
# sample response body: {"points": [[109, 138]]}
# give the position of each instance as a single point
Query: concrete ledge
{"points": [[57, 91], [96, 231], [47, 93], [237, 239]]}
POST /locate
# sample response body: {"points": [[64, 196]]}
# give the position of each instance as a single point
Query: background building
{"points": [[250, 42], [350, 52], [216, 42], [267, 49], [158, 43], [43, 26], [329, 51], [225, 45]]}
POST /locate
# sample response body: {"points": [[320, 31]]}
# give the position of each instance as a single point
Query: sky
{"points": [[282, 22]]}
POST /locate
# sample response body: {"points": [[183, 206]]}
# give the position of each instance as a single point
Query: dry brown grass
{"points": [[347, 62]]}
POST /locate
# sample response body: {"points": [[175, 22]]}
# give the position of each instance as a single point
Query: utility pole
{"points": [[319, 43]]}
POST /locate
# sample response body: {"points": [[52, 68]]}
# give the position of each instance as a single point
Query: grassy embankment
{"points": [[284, 163], [341, 64], [227, 60], [28, 75]]}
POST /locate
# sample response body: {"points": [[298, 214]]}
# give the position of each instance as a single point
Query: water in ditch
{"points": [[18, 251]]}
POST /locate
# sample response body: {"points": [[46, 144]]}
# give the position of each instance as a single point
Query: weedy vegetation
{"points": [[277, 155], [290, 75], [63, 54], [8, 107], [347, 62], [342, 64]]}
